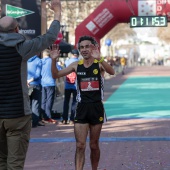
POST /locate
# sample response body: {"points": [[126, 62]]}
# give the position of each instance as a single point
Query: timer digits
{"points": [[148, 21]]}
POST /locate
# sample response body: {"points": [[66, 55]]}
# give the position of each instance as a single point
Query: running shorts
{"points": [[92, 113]]}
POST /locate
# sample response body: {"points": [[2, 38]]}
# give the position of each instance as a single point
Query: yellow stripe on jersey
{"points": [[82, 61]]}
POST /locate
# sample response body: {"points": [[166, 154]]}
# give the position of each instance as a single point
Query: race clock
{"points": [[148, 21]]}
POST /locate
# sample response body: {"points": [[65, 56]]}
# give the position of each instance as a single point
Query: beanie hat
{"points": [[75, 52]]}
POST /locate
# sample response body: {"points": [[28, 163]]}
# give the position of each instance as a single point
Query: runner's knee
{"points": [[81, 145], [94, 145]]}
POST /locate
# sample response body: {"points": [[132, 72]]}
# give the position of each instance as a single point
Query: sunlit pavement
{"points": [[136, 136]]}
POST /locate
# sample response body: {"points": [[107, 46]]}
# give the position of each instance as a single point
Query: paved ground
{"points": [[126, 144]]}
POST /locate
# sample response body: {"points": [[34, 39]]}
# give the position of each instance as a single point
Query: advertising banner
{"points": [[27, 13]]}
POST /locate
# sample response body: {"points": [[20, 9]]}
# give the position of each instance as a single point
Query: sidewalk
{"points": [[129, 144]]}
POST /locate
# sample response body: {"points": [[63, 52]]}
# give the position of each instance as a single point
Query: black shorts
{"points": [[92, 113]]}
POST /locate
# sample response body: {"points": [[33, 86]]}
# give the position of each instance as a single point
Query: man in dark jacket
{"points": [[15, 112]]}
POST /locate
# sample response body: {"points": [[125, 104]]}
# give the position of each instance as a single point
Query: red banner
{"points": [[111, 12]]}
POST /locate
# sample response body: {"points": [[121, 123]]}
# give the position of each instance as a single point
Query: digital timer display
{"points": [[148, 21]]}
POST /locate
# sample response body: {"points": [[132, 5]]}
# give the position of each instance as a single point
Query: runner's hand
{"points": [[55, 52], [95, 51]]}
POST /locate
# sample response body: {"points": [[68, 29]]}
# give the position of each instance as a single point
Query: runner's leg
{"points": [[95, 131], [80, 131]]}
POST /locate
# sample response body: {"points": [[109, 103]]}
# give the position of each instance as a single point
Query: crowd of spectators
{"points": [[117, 63]]}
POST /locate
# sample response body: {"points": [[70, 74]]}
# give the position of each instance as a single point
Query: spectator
{"points": [[34, 85], [70, 89], [90, 113], [15, 112], [48, 88], [123, 64], [58, 81], [117, 64], [110, 61]]}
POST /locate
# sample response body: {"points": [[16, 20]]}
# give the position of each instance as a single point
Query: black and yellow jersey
{"points": [[90, 83]]}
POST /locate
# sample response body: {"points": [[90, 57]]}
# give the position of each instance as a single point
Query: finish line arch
{"points": [[111, 12]]}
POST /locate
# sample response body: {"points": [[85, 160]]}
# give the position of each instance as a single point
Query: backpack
{"points": [[71, 78]]}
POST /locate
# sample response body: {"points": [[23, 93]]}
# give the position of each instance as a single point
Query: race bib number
{"points": [[89, 84]]}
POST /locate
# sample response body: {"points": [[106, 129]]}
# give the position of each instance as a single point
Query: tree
{"points": [[164, 34], [74, 12]]}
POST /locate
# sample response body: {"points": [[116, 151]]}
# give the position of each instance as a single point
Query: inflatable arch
{"points": [[111, 12]]}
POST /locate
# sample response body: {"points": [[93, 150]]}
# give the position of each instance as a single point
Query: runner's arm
{"points": [[60, 73], [107, 67]]}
